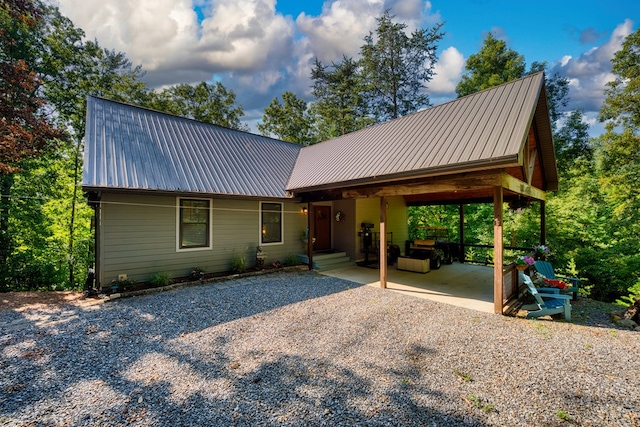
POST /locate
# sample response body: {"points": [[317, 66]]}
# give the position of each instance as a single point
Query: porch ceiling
{"points": [[474, 187]]}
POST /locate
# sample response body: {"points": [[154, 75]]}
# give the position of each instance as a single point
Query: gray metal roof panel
{"points": [[128, 147], [480, 128]]}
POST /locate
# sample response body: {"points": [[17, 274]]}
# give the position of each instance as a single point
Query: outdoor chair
{"points": [[546, 303], [546, 269]]}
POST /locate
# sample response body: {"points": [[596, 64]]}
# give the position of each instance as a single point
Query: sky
{"points": [[262, 48]]}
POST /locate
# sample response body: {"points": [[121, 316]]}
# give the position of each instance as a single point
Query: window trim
{"points": [[178, 225], [260, 224]]}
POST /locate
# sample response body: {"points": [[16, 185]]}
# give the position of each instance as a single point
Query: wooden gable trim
{"points": [[449, 184]]}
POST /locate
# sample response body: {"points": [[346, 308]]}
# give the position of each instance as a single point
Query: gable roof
{"points": [[133, 148], [485, 130]]}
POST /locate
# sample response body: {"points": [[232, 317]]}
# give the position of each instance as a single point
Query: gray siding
{"points": [[138, 236]]}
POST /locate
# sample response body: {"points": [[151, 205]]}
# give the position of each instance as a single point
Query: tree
{"points": [[74, 69], [493, 65], [397, 67], [619, 157], [209, 103], [289, 121], [25, 131], [340, 107], [572, 141]]}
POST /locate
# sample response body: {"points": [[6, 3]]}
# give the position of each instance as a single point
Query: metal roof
{"points": [[484, 130], [132, 148]]}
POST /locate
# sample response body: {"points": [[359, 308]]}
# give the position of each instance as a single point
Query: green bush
{"points": [[161, 279], [291, 260], [238, 264]]}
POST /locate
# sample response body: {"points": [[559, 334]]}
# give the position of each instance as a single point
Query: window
{"points": [[194, 224], [271, 219]]}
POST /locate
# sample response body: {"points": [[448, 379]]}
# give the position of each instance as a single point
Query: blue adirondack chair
{"points": [[546, 303], [546, 269]]}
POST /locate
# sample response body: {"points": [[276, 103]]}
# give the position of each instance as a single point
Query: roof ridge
{"points": [[164, 113]]}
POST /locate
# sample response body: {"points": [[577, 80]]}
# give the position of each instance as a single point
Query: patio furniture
{"points": [[413, 264], [546, 269], [546, 304]]}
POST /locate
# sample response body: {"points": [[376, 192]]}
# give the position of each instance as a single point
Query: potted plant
{"points": [[524, 262], [541, 251]]}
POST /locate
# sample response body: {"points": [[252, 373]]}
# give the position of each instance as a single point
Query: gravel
{"points": [[305, 349]]}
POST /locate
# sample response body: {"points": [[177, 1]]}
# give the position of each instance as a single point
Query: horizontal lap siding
{"points": [[138, 236]]}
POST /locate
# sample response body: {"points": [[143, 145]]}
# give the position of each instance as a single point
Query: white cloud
{"points": [[340, 29], [165, 37], [589, 73], [448, 71]]}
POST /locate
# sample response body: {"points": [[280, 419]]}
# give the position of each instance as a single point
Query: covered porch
{"points": [[463, 285], [494, 147]]}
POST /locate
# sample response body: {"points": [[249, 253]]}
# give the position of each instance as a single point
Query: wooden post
{"points": [[461, 248], [543, 223], [311, 226], [498, 250], [383, 242]]}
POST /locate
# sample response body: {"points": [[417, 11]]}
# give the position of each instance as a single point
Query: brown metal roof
{"points": [[132, 148], [484, 130]]}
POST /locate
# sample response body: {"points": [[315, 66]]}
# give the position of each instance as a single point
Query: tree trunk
{"points": [[73, 215], [6, 182]]}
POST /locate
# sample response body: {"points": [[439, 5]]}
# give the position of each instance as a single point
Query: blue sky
{"points": [[261, 48]]}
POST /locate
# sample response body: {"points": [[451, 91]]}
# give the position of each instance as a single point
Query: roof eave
{"points": [[497, 163]]}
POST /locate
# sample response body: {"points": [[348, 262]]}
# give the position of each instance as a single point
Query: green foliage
{"points": [[632, 297], [564, 416], [396, 68], [493, 65], [122, 285], [622, 105], [339, 107], [209, 103], [290, 121], [238, 263], [291, 260], [477, 402], [196, 273], [463, 376], [161, 278]]}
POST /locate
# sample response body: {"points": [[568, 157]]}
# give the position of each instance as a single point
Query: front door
{"points": [[323, 228]]}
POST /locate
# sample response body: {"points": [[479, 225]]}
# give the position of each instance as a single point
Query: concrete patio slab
{"points": [[462, 285]]}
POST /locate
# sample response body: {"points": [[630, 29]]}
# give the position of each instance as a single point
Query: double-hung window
{"points": [[271, 223], [194, 224]]}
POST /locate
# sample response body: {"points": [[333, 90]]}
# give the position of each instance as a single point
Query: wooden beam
{"points": [[532, 164], [498, 250], [519, 187], [311, 227], [461, 225], [383, 242], [441, 184], [543, 223]]}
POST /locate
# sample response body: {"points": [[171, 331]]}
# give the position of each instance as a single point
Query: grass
{"points": [[564, 416], [474, 400], [463, 376]]}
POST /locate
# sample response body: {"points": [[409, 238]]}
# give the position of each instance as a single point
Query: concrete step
{"points": [[330, 261]]}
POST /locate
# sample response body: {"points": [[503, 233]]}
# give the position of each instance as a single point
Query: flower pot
{"points": [[522, 267]]}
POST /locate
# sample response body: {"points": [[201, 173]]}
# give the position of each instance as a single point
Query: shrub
{"points": [[161, 279], [291, 260], [238, 264], [196, 273]]}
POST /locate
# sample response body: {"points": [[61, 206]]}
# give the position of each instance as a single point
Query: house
{"points": [[171, 193]]}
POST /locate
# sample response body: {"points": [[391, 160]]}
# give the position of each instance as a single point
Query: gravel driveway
{"points": [[309, 350]]}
